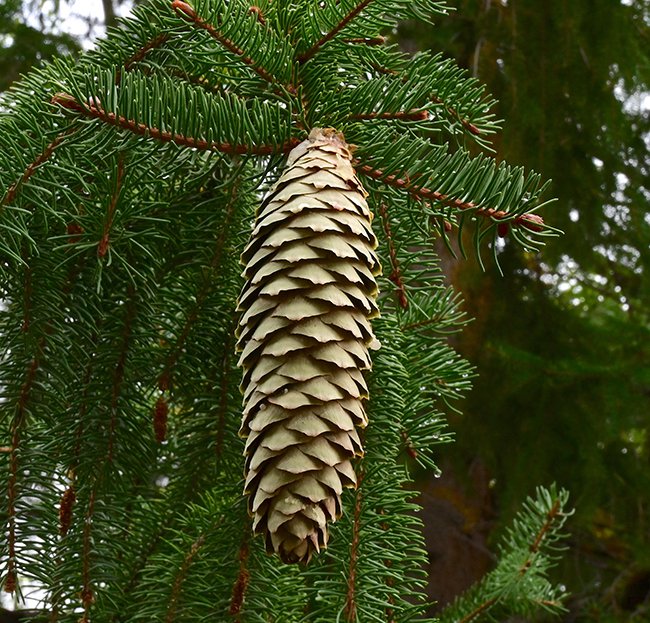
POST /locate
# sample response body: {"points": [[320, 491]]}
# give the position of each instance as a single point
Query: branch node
{"points": [[65, 510], [184, 9], [160, 413]]}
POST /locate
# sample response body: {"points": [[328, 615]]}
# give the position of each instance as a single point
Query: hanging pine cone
{"points": [[305, 335]]}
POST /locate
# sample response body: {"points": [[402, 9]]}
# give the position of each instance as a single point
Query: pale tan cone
{"points": [[305, 335]]}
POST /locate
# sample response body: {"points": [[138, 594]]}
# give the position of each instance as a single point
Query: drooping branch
{"points": [[87, 593], [396, 274], [118, 374], [69, 497], [165, 378], [351, 595], [528, 220], [95, 111], [226, 365], [303, 58], [104, 243], [185, 10], [16, 428], [17, 425], [10, 195], [180, 578]]}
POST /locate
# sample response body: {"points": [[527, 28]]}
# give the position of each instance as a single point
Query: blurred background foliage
{"points": [[29, 33], [560, 341]]}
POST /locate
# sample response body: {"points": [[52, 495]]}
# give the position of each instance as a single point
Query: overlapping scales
{"points": [[304, 337]]}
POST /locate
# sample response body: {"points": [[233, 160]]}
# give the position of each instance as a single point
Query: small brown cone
{"points": [[304, 335]]}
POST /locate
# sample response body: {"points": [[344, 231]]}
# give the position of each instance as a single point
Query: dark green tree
{"points": [[130, 178], [562, 366], [23, 45]]}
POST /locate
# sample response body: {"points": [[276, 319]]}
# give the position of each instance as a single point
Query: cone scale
{"points": [[304, 337]]}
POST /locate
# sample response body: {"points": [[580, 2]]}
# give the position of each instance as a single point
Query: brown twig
{"points": [[403, 115], [152, 44], [160, 415], [65, 510], [118, 375], [396, 274], [255, 10], [533, 548], [10, 195], [97, 112], [16, 427], [532, 222], [479, 610], [241, 583], [104, 243], [303, 58], [180, 578], [350, 598], [454, 113], [183, 9]]}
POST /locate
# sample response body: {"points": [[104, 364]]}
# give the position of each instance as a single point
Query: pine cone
{"points": [[305, 335]]}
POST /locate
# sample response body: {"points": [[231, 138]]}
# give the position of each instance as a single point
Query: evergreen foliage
{"points": [[129, 182], [574, 334]]}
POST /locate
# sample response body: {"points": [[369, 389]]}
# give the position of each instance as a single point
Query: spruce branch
{"points": [[528, 220], [165, 380], [96, 111], [17, 424], [328, 36], [177, 587], [350, 609], [324, 22], [184, 10], [226, 370], [120, 403], [103, 245], [47, 152], [519, 583], [428, 82], [118, 374], [140, 54], [87, 593], [395, 274]]}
